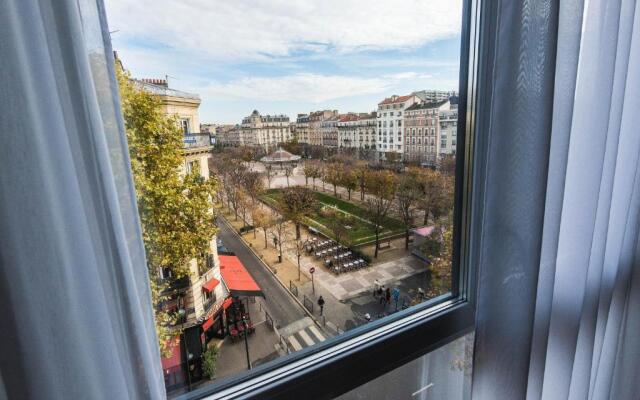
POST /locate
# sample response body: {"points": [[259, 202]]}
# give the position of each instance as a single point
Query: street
{"points": [[282, 308]]}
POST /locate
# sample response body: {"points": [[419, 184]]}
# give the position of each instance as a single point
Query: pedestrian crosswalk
{"points": [[306, 337], [298, 335]]}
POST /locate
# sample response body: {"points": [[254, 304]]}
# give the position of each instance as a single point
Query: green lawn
{"points": [[361, 229]]}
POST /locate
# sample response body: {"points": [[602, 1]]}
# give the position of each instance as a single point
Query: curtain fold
{"points": [[583, 332], [74, 291]]}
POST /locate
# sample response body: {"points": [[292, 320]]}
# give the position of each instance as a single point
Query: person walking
{"points": [[381, 294], [387, 296], [321, 304], [376, 287]]}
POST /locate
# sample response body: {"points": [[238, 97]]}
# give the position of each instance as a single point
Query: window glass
{"points": [[442, 374], [276, 230]]}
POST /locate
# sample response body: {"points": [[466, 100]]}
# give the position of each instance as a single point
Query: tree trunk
{"points": [[297, 231], [426, 217], [335, 192], [265, 238], [306, 181], [406, 238], [280, 251], [349, 193], [314, 183], [375, 254]]}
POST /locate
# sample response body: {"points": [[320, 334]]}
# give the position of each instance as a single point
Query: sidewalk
{"points": [[232, 356]]}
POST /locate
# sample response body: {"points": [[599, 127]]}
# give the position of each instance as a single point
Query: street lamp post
{"points": [[246, 340]]}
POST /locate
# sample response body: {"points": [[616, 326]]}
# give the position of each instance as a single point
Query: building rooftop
{"points": [[423, 106], [160, 87], [396, 99]]}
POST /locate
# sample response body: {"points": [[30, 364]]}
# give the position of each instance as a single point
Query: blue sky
{"points": [[289, 57]]}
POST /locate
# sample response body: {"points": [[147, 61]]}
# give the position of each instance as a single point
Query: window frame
{"points": [[347, 361]]}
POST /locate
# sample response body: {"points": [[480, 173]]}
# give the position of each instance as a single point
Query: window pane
{"points": [[442, 374], [277, 213]]}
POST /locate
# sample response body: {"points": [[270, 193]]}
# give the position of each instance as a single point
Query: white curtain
{"points": [[578, 330], [77, 321]]}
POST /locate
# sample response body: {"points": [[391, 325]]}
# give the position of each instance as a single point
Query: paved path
{"points": [[278, 301]]}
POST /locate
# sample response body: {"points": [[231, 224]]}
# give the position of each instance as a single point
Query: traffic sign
{"points": [[312, 270]]}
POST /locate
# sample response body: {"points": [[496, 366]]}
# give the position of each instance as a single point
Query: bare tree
{"points": [[280, 230], [408, 195], [262, 219], [382, 188]]}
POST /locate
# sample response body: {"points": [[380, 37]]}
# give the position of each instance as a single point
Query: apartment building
{"points": [[266, 131], [390, 116], [301, 130], [357, 131], [329, 129], [422, 131], [199, 297], [431, 96], [315, 125], [448, 130]]}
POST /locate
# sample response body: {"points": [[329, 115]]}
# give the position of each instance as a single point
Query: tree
{"points": [[280, 230], [333, 176], [338, 222], [382, 188], [288, 170], [408, 196], [448, 165], [436, 197], [309, 171], [262, 219], [349, 180], [209, 361], [252, 183], [296, 204], [361, 171], [268, 171], [316, 171], [292, 146], [243, 202], [440, 257], [174, 210]]}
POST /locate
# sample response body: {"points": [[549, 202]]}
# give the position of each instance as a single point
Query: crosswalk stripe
{"points": [[294, 343], [306, 338], [316, 332]]}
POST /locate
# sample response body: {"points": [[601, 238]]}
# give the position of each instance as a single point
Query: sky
{"points": [[289, 56]]}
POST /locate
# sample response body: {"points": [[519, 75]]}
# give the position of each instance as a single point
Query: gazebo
{"points": [[281, 158]]}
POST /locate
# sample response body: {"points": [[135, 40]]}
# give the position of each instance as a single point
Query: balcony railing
{"points": [[195, 140]]}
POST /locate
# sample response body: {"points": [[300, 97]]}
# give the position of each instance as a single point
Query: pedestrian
{"points": [[376, 286], [387, 296], [381, 294], [321, 304]]}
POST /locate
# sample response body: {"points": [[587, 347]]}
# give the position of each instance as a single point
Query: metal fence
{"points": [[268, 319], [284, 345], [293, 288], [308, 303]]}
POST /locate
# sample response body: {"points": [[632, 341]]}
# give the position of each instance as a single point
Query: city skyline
{"points": [[249, 56]]}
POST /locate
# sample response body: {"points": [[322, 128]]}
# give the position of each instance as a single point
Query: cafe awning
{"points": [[176, 357], [210, 285], [207, 324], [237, 278]]}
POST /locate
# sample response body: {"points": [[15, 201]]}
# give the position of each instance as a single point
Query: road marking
{"points": [[294, 343], [422, 390], [316, 332], [306, 338]]}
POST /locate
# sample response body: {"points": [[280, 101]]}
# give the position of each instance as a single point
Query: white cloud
{"points": [[225, 30], [299, 87], [306, 87]]}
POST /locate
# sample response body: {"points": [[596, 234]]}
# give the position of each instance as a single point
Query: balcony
{"points": [[196, 140]]}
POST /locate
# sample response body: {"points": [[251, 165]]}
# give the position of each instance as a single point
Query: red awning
{"points": [[210, 285], [176, 357], [237, 278], [227, 303], [207, 324]]}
